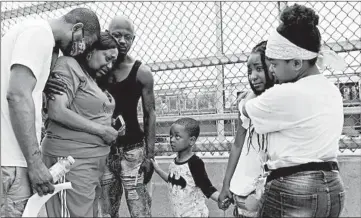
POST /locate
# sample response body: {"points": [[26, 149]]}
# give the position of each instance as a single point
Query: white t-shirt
{"points": [[250, 162], [304, 119], [30, 44]]}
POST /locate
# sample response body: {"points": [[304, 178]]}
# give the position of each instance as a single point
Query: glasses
{"points": [[117, 36]]}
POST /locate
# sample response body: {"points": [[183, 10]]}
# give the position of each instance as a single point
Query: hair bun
{"points": [[299, 15]]}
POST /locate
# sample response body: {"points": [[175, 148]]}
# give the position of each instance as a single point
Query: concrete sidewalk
{"points": [[350, 169]]}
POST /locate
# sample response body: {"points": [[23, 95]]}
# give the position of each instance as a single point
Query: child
{"points": [[187, 179]]}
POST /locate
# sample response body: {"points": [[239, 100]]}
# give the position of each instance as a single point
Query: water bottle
{"points": [[59, 169]]}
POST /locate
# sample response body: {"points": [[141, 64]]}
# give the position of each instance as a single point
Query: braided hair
{"points": [[260, 48], [262, 139]]}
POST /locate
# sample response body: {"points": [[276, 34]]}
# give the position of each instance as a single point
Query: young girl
{"points": [[245, 164]]}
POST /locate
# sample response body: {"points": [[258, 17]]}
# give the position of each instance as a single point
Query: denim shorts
{"points": [[16, 191], [241, 205], [123, 174], [304, 194]]}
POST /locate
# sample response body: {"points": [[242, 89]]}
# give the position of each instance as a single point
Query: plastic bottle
{"points": [[59, 169]]}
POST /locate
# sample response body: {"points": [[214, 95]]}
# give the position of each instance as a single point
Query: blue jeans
{"points": [[241, 208], [304, 194], [16, 191], [123, 173]]}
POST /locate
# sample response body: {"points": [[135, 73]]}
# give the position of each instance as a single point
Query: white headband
{"points": [[278, 47]]}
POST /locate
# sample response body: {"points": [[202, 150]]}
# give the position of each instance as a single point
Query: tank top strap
{"points": [[134, 70]]}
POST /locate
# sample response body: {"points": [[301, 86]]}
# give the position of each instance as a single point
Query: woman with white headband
{"points": [[303, 117]]}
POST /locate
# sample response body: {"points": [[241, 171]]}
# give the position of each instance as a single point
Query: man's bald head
{"points": [[122, 29], [121, 22]]}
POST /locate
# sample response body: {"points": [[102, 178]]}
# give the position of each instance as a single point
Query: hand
{"points": [[148, 169], [241, 96], [40, 178], [54, 86], [225, 194], [121, 131], [250, 95], [155, 163], [108, 134]]}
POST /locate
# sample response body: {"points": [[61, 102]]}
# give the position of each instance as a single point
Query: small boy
{"points": [[187, 179]]}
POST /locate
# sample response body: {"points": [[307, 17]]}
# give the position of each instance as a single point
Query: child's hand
{"points": [[158, 170], [224, 196], [224, 205], [155, 164]]}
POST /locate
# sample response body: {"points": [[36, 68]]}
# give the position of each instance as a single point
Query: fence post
{"points": [[220, 73]]}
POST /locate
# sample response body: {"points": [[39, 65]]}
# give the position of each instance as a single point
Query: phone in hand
{"points": [[119, 124]]}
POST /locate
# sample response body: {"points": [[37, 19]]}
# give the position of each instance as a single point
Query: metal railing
{"points": [[197, 52]]}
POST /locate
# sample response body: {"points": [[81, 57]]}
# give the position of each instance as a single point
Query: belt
{"points": [[124, 148], [312, 166]]}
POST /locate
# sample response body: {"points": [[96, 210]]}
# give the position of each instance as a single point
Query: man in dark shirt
{"points": [[129, 160]]}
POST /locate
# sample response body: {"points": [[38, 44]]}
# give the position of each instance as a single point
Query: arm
{"points": [[200, 177], [215, 196], [58, 107], [249, 96], [27, 66], [234, 155], [146, 79], [58, 110], [274, 110], [22, 117], [159, 171], [149, 118]]}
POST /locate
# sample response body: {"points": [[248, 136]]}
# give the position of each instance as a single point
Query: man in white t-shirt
{"points": [[27, 52]]}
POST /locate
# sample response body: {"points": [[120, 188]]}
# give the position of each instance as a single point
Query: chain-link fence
{"points": [[197, 52]]}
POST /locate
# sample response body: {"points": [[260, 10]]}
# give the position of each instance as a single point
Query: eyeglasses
{"points": [[117, 36]]}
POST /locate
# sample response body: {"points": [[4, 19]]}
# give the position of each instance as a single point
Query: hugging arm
{"points": [[58, 108]]}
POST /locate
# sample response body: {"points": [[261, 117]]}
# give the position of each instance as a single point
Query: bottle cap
{"points": [[71, 160]]}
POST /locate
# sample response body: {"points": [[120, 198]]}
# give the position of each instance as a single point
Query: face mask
{"points": [[78, 41], [78, 47]]}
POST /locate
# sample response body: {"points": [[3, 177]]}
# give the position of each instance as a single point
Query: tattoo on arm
{"points": [[36, 153], [149, 112], [22, 111]]}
